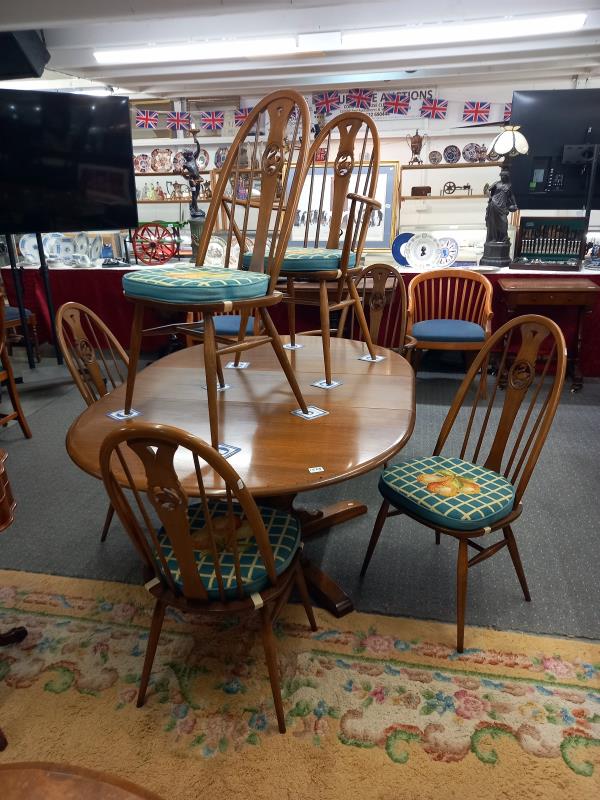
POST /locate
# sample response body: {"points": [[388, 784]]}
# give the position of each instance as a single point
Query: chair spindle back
{"points": [[450, 294], [383, 297]]}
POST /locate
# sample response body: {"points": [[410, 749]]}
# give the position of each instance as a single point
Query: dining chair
{"points": [[336, 207], [6, 375], [224, 555], [12, 322], [450, 309], [383, 298], [262, 198], [481, 490], [94, 357]]}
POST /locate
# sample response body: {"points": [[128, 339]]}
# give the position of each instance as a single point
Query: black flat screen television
{"points": [[66, 163], [550, 121]]}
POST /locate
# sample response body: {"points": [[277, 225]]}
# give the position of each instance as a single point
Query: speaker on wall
{"points": [[23, 54]]}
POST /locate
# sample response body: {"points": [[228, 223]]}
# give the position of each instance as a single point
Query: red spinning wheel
{"points": [[153, 243]]}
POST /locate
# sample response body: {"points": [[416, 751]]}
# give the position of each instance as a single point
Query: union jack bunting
{"points": [[326, 102], [146, 119], [212, 120], [434, 109], [476, 111], [507, 111], [178, 120], [359, 98], [240, 115], [395, 103]]}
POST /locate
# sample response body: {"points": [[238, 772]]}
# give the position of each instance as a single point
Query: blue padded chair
{"points": [[268, 210], [450, 309], [472, 496], [223, 555]]}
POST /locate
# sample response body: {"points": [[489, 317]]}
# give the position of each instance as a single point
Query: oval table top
{"points": [[371, 415]]}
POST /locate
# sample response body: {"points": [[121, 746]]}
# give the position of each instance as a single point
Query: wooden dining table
{"points": [[369, 418]]}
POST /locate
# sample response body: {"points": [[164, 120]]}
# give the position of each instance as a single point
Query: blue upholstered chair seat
{"points": [[447, 330], [448, 491], [11, 313], [194, 284], [284, 535], [309, 259], [229, 325]]}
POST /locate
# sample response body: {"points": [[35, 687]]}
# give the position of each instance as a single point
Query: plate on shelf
{"points": [[141, 162], [470, 152], [422, 250], [399, 246], [28, 247], [451, 154], [82, 244], [215, 253], [178, 161], [204, 158], [220, 156], [95, 248], [51, 244], [66, 247], [483, 268], [448, 251], [435, 157], [161, 159]]}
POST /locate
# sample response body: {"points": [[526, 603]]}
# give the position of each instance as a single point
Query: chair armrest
{"points": [[360, 198], [409, 344]]}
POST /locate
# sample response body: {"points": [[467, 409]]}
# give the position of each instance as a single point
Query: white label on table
{"points": [[322, 384], [372, 360], [219, 388], [241, 365], [316, 469], [120, 415], [293, 346], [313, 412], [228, 450]]}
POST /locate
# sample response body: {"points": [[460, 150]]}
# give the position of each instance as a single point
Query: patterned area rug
{"points": [[377, 707]]}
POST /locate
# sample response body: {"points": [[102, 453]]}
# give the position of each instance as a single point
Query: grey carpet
{"points": [[61, 510]]}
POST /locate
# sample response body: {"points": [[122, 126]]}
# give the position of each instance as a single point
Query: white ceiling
{"points": [[75, 28]]}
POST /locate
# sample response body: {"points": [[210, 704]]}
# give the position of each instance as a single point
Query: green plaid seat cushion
{"points": [[284, 535], [185, 284], [449, 491], [310, 259]]}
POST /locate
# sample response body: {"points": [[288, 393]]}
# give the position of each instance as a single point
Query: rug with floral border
{"points": [[376, 707]]}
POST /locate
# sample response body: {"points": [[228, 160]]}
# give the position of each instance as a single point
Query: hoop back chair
{"points": [[258, 197], [94, 357], [339, 218], [450, 309], [481, 491], [383, 298], [225, 555], [6, 374]]}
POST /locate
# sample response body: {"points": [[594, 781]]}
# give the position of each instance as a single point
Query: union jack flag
{"points": [[395, 103], [241, 115], [434, 109], [326, 102], [146, 119], [359, 98], [212, 120], [476, 111], [507, 111], [178, 120]]}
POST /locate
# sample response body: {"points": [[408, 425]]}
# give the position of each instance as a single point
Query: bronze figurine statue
{"points": [[502, 202], [191, 173]]}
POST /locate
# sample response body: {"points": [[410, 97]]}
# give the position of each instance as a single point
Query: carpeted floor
{"points": [[375, 707], [61, 511]]}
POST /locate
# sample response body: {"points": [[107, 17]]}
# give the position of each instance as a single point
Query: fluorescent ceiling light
{"points": [[486, 30], [199, 51]]}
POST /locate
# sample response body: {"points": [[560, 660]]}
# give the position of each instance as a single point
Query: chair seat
{"points": [[448, 491], [284, 535], [229, 325], [310, 259], [447, 330], [194, 285], [11, 313]]}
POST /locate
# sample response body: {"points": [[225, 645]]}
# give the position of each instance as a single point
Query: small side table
{"points": [[580, 293]]}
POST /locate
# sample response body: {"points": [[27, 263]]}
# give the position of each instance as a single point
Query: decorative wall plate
{"points": [[51, 244], [435, 157], [161, 159], [448, 251], [451, 154], [470, 152], [399, 246], [220, 156], [141, 162], [204, 158], [28, 247], [215, 253], [178, 161], [95, 247], [422, 251], [82, 244], [66, 247]]}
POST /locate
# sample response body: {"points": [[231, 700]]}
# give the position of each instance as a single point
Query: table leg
{"points": [[135, 346], [577, 375], [13, 636], [323, 588]]}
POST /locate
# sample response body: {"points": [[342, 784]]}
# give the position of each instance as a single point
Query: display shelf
{"points": [[476, 165], [186, 201], [167, 174], [444, 197], [187, 140]]}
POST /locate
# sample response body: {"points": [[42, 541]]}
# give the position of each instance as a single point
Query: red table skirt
{"points": [[100, 290]]}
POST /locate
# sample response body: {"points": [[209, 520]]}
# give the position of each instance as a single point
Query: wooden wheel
{"points": [[449, 187], [153, 243]]}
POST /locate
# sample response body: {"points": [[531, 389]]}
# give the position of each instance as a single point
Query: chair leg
{"points": [[135, 346], [36, 341], [516, 559], [271, 332], [360, 315], [244, 316], [109, 516], [483, 379], [272, 665], [342, 324], [210, 368], [155, 629], [438, 537], [379, 523], [291, 310], [304, 596], [14, 395], [415, 360], [462, 567], [325, 332]]}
